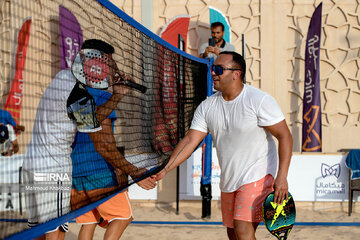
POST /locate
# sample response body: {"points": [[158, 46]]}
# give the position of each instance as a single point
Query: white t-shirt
{"points": [[246, 151], [53, 132], [6, 146], [225, 47]]}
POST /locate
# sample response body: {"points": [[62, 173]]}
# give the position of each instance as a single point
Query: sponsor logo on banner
{"points": [[327, 170], [328, 185]]}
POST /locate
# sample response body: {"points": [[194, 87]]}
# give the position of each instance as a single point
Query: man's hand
{"points": [[19, 128], [147, 183], [211, 49], [208, 50], [216, 51], [121, 177], [118, 88], [281, 189], [160, 175]]}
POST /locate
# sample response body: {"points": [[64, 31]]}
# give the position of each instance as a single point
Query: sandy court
{"points": [[190, 211]]}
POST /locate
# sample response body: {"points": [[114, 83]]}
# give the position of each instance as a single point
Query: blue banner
{"points": [[217, 16]]}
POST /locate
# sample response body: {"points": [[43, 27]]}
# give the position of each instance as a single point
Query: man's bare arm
{"points": [[282, 133], [105, 145], [119, 91], [15, 146], [182, 151]]}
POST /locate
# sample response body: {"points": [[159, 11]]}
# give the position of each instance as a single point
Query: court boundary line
{"points": [[325, 224]]}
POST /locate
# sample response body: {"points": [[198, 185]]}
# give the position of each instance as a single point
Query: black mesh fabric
{"points": [[147, 127]]}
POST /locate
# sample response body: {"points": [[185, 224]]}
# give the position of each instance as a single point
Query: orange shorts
{"points": [[245, 204], [116, 208]]}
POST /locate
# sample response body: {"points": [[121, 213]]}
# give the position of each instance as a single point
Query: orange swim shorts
{"points": [[245, 204], [116, 208]]}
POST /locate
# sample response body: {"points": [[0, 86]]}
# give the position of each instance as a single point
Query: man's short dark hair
{"points": [[238, 61], [218, 24], [98, 45]]}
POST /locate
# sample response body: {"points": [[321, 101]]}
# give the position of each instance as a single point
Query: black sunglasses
{"points": [[219, 70]]}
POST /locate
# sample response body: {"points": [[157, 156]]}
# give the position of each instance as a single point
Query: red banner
{"points": [[177, 25], [166, 132], [14, 99], [166, 102]]}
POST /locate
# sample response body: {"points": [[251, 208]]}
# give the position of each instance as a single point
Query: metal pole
{"points": [[205, 187], [20, 183], [180, 88], [243, 51]]}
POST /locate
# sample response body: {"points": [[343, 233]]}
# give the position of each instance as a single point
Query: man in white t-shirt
{"points": [[218, 43], [8, 142], [242, 121]]}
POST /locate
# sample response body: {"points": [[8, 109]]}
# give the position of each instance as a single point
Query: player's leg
{"points": [[242, 209], [87, 231], [248, 206], [55, 235], [118, 213], [88, 220], [61, 235], [227, 211], [245, 230], [49, 236], [43, 205], [231, 233], [116, 228]]}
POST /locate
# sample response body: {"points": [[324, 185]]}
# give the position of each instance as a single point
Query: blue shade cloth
{"points": [[353, 162]]}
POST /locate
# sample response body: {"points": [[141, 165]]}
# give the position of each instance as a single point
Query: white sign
{"points": [[319, 177], [190, 177], [312, 177], [136, 192], [9, 179]]}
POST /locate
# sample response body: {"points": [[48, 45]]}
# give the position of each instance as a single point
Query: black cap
{"points": [[98, 45], [4, 133]]}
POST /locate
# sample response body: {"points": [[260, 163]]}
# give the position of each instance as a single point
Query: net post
{"points": [[180, 90], [205, 186], [243, 51], [20, 195]]}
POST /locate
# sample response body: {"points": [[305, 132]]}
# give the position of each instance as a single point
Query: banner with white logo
{"points": [[319, 177]]}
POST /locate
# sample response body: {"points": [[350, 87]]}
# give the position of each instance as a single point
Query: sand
{"points": [[190, 211]]}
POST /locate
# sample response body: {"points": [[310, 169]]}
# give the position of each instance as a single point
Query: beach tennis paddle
{"points": [[279, 218], [92, 68]]}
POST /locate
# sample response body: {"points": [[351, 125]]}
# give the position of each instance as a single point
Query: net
{"points": [[64, 169]]}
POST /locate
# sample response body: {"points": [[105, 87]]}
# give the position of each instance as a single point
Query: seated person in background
{"points": [[8, 142], [220, 45], [6, 118]]}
